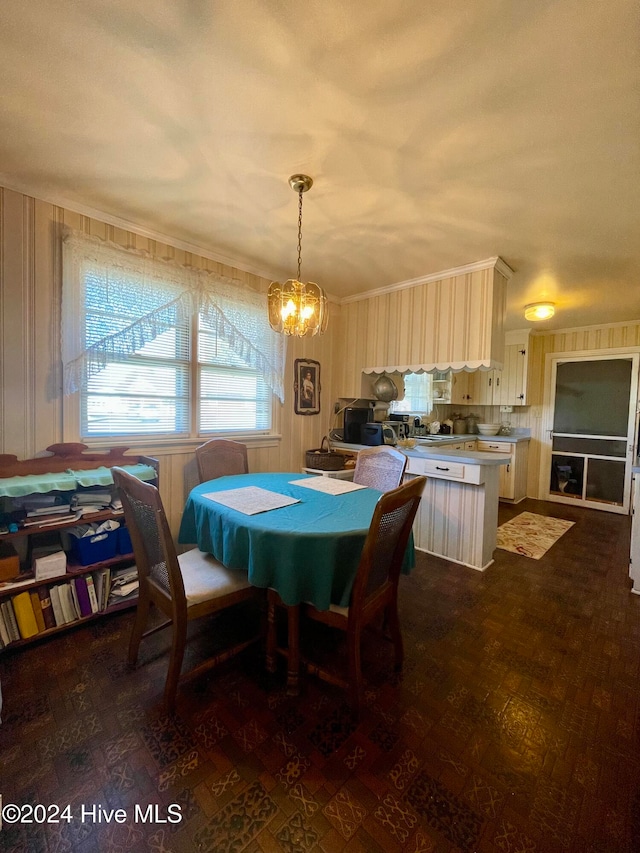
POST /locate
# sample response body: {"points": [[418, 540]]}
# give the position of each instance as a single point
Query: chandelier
{"points": [[296, 307]]}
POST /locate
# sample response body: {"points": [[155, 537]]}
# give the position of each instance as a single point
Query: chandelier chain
{"points": [[300, 191]]}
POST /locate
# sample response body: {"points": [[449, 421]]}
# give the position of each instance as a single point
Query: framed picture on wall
{"points": [[306, 387]]}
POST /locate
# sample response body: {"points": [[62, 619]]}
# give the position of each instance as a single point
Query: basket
{"points": [[324, 459]]}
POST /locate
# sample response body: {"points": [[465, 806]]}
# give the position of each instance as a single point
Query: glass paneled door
{"points": [[593, 431]]}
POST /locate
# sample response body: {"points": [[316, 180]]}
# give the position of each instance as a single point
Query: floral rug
{"points": [[530, 534]]}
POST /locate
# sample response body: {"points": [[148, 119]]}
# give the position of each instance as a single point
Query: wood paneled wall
{"points": [[361, 333], [451, 321], [31, 403]]}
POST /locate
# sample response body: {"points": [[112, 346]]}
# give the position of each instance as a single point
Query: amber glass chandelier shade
{"points": [[297, 308]]}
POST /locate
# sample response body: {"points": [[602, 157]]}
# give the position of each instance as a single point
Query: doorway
{"points": [[591, 431]]}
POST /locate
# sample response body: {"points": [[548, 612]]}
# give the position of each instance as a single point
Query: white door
{"points": [[591, 431]]}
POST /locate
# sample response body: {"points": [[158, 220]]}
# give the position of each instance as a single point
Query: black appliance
{"points": [[354, 418], [371, 435]]}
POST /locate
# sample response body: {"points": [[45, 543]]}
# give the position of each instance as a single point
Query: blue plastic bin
{"points": [[124, 541], [94, 549]]}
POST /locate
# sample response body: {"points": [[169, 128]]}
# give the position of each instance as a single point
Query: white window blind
{"points": [[417, 394], [128, 321]]}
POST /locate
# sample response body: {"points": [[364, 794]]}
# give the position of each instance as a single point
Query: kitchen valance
{"points": [[167, 295], [440, 367]]}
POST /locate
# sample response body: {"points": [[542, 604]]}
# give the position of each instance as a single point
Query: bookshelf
{"points": [[69, 470]]}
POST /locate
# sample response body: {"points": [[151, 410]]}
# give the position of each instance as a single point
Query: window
{"points": [[156, 349], [417, 394]]}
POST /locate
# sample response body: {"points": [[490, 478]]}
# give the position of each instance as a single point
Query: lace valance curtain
{"points": [[158, 295]]}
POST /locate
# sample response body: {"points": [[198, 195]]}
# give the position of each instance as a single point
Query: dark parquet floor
{"points": [[514, 727]]}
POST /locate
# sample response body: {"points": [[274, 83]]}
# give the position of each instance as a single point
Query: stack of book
{"points": [[45, 510], [30, 612], [91, 500]]}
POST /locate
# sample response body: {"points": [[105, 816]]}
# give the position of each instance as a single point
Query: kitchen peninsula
{"points": [[458, 515]]}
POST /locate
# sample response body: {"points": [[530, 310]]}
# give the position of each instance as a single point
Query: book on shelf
{"points": [[82, 595], [37, 610], [66, 602], [44, 594], [105, 585], [58, 509], [124, 584], [4, 633], [74, 598], [10, 621], [56, 606], [25, 617], [49, 520], [91, 592]]}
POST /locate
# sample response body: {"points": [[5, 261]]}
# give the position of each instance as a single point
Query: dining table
{"points": [[307, 550]]}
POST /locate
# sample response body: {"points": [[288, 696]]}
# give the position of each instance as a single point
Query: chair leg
{"points": [[142, 615], [355, 671], [178, 643], [393, 622]]}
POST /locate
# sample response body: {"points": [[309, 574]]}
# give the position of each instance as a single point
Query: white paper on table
{"points": [[251, 500], [328, 485]]}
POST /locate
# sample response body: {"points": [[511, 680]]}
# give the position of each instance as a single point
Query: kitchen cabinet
{"points": [[513, 476], [460, 387], [466, 444], [458, 515], [506, 387], [451, 320], [485, 387], [450, 387], [513, 383]]}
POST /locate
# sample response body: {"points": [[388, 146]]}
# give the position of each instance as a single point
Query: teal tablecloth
{"points": [[308, 551]]}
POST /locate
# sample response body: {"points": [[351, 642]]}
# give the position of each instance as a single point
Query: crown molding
{"points": [[127, 225], [489, 263]]}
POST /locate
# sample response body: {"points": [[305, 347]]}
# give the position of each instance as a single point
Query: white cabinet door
{"points": [[485, 387], [460, 387], [513, 386], [513, 476]]}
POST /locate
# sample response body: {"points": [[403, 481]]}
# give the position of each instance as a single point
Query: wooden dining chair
{"points": [[183, 587], [374, 594], [380, 468], [220, 457]]}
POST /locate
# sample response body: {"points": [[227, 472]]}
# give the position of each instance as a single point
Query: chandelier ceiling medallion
{"points": [[296, 307]]}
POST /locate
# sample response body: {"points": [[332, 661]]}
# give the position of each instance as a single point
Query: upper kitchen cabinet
{"points": [[513, 384], [485, 387], [446, 321], [506, 387]]}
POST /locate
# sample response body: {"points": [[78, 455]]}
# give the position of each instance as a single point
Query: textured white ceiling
{"points": [[437, 134]]}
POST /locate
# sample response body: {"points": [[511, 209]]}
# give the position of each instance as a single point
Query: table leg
{"points": [[293, 669], [272, 643]]}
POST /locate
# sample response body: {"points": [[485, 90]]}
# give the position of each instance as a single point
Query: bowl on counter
{"points": [[489, 429]]}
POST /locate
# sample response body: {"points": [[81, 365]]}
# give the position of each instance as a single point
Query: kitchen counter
{"points": [[458, 515], [438, 450]]}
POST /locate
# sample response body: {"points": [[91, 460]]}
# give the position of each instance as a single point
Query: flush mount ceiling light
{"points": [[539, 310], [296, 307]]}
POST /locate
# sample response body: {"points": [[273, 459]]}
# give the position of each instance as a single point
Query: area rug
{"points": [[530, 534]]}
